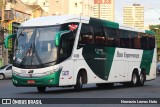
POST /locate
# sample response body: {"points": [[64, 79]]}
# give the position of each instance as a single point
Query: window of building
{"points": [[76, 4], [44, 3]]}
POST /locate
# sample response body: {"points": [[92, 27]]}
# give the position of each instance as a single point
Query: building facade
{"points": [[134, 16], [43, 3], [14, 12], [75, 7], [104, 9]]}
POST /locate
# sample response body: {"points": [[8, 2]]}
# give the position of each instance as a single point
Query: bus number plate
{"points": [[31, 82]]}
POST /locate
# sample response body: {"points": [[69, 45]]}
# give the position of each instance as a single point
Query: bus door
{"points": [[65, 51]]}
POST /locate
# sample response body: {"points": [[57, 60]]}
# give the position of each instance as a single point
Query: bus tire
{"points": [[141, 79], [79, 83], [134, 79], [41, 89]]}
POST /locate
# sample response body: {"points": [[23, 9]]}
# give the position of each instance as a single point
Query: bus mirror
{"points": [[7, 39], [58, 36], [57, 39]]}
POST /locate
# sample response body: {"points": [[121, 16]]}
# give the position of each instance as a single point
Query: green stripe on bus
{"points": [[147, 60], [99, 59], [100, 22], [110, 51], [149, 32]]}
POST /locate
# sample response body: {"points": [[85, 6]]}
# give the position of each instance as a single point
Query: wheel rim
{"points": [[80, 82], [134, 78]]}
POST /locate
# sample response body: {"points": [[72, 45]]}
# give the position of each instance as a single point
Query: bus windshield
{"points": [[35, 46]]}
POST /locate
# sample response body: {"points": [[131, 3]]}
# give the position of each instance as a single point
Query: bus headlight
{"points": [[49, 72], [15, 73]]}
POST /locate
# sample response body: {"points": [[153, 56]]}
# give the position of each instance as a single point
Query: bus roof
{"points": [[56, 20]]}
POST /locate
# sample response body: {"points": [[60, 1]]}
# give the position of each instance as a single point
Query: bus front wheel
{"points": [[41, 89], [79, 83]]}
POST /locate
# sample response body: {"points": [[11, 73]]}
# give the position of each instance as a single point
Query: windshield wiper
{"points": [[37, 56], [28, 52]]}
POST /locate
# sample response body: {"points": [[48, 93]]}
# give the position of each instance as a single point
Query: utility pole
{"points": [[2, 15], [2, 4]]}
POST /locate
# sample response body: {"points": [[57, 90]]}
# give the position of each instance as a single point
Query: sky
{"points": [[151, 10]]}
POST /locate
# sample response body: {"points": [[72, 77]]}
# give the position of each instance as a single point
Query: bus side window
{"points": [[99, 36], [137, 41], [112, 37], [133, 36], [144, 41], [151, 42], [124, 39], [86, 36]]}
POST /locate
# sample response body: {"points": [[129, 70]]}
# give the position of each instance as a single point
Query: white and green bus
{"points": [[72, 50]]}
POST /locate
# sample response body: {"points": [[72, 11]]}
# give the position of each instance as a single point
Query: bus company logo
{"points": [[100, 51], [30, 71]]}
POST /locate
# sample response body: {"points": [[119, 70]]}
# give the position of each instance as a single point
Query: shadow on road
{"points": [[85, 89]]}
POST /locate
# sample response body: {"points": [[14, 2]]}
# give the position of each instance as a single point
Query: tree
{"points": [[156, 29]]}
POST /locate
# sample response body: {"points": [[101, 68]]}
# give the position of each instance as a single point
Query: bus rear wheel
{"points": [[41, 89], [134, 79], [141, 79]]}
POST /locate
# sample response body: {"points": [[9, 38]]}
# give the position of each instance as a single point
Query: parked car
{"points": [[6, 72]]}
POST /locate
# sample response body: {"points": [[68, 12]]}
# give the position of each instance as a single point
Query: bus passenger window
{"points": [[124, 39], [133, 36], [86, 36], [112, 37], [99, 36], [151, 41], [137, 41], [144, 41]]}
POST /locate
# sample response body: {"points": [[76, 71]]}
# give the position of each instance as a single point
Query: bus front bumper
{"points": [[48, 81]]}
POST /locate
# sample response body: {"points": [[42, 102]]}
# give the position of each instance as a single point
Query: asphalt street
{"points": [[151, 89]]}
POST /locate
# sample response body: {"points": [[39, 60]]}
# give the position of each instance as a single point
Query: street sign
{"points": [[10, 40]]}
